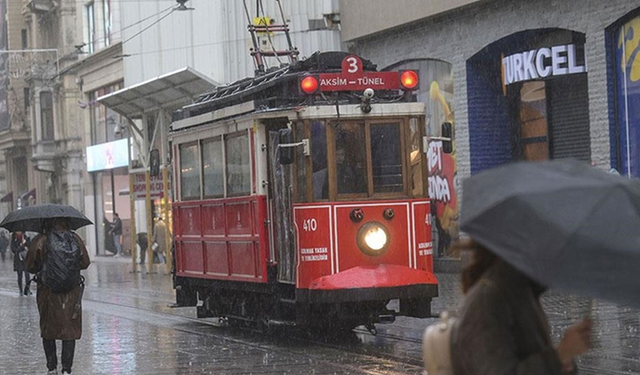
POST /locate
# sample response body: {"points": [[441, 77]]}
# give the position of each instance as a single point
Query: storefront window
{"points": [[626, 130], [534, 139], [213, 168], [238, 165], [189, 172]]}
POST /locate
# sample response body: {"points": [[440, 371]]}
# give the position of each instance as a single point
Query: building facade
{"points": [[518, 80], [17, 178]]}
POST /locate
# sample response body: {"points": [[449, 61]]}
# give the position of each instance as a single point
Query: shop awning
{"points": [[170, 91], [30, 193], [7, 197]]}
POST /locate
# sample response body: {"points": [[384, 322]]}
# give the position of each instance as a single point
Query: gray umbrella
{"points": [[33, 218], [563, 223]]}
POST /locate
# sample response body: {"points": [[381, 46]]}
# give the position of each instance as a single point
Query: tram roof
{"points": [[169, 91]]}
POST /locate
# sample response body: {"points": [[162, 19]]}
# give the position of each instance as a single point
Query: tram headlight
{"points": [[373, 238]]}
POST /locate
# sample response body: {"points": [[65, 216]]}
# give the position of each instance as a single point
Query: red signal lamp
{"points": [[409, 79], [309, 84]]}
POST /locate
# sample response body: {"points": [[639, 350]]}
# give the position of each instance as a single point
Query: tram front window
{"points": [[351, 157], [386, 158]]}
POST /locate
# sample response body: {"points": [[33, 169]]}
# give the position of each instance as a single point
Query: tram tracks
{"points": [[350, 344]]}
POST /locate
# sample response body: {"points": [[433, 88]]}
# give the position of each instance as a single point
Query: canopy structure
{"points": [[7, 197], [166, 92], [154, 100]]}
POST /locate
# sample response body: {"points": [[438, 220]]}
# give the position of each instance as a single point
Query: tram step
{"points": [[289, 323], [386, 319]]}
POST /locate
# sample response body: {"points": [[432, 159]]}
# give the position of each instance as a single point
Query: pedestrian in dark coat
{"points": [[502, 328], [19, 250], [57, 321], [4, 244]]}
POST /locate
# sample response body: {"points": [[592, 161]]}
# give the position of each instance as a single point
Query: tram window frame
{"points": [[226, 139], [197, 167], [222, 160], [402, 151], [401, 123], [301, 191], [414, 139]]}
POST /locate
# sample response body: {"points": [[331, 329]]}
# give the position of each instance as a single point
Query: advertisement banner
{"points": [[627, 66]]}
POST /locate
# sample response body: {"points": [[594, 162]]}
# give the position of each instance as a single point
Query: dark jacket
{"points": [[117, 227], [502, 329], [17, 245], [56, 309]]}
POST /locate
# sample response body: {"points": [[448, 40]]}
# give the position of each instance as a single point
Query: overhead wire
{"points": [[149, 26]]}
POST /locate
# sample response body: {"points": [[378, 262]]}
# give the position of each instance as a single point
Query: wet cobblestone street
{"points": [[129, 329]]}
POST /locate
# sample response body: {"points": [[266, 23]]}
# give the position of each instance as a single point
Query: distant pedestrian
{"points": [[57, 256], [502, 328], [4, 244], [19, 250], [160, 239], [116, 231]]}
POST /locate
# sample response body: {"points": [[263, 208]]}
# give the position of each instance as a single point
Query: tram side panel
{"points": [[222, 239]]}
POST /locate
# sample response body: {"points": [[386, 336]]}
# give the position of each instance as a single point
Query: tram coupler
{"points": [[371, 328], [386, 319]]}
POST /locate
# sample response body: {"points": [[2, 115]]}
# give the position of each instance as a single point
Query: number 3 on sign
{"points": [[309, 225], [352, 63]]}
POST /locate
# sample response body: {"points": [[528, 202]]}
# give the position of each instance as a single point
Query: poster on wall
{"points": [[627, 69], [4, 76], [436, 91], [442, 166]]}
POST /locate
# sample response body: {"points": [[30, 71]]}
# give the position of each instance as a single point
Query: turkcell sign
{"points": [[354, 78], [541, 63]]}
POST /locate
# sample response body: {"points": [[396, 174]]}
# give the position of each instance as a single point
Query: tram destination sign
{"points": [[354, 78]]}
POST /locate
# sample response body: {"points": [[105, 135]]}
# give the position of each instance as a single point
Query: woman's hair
{"points": [[481, 261], [51, 224]]}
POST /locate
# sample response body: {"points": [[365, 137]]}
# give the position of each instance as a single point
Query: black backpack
{"points": [[61, 265]]}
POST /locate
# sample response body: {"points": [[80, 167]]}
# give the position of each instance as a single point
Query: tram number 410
{"points": [[309, 225]]}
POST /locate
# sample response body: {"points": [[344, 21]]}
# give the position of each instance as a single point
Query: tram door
{"points": [[280, 198]]}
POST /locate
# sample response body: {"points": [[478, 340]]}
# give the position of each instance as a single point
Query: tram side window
{"points": [[189, 172], [417, 184], [319, 160], [213, 168], [386, 158], [351, 159], [238, 165], [301, 164]]}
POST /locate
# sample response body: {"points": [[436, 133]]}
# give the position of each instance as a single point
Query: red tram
{"points": [[301, 197]]}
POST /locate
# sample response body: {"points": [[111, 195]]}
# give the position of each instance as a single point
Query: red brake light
{"points": [[409, 79], [309, 85]]}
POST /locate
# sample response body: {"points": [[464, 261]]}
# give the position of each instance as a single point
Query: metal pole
{"points": [[149, 222], [165, 197], [132, 206]]}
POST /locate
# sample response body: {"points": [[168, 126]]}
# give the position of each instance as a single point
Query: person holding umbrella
{"points": [[57, 256], [502, 328], [534, 225]]}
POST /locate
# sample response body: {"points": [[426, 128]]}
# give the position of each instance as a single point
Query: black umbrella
{"points": [[565, 224], [32, 218]]}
